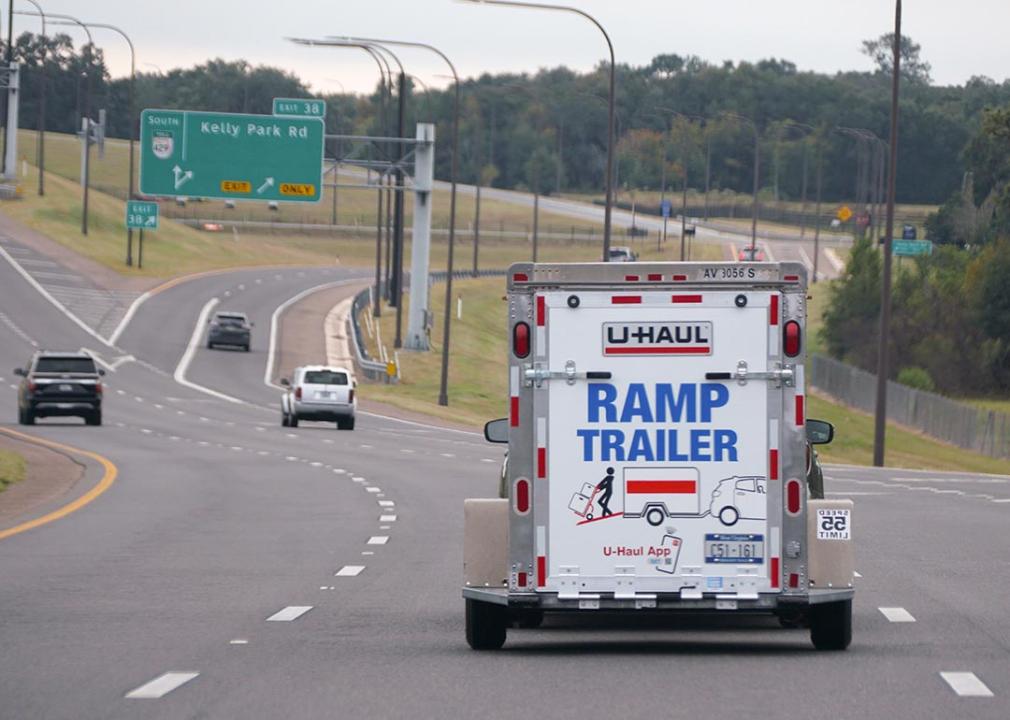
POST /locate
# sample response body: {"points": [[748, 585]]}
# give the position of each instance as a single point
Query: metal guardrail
{"points": [[371, 369], [986, 432]]}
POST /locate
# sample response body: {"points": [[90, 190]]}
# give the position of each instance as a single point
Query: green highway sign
{"points": [[911, 247], [230, 156], [141, 215], [300, 107]]}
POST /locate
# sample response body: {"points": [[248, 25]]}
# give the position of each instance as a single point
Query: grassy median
{"points": [[477, 387], [12, 468]]}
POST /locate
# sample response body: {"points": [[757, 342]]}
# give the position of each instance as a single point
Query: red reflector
{"points": [[631, 278], [522, 495], [31, 386], [626, 299], [541, 571], [541, 311], [521, 580], [773, 310], [799, 410], [773, 464], [794, 580], [298, 393], [98, 388], [541, 462], [774, 572], [514, 412], [679, 278], [521, 339], [793, 497], [791, 278], [686, 299], [350, 395], [520, 277], [791, 339], [655, 277]]}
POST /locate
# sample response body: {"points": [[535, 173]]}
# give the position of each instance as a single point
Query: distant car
{"points": [[66, 384], [751, 254], [229, 328], [622, 253], [319, 392]]}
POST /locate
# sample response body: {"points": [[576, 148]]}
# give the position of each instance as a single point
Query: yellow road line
{"points": [[104, 484]]}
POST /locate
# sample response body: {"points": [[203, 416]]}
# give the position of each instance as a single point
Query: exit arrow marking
{"points": [[181, 177], [268, 183]]}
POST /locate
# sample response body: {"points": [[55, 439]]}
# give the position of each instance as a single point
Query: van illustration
{"points": [[739, 498]]}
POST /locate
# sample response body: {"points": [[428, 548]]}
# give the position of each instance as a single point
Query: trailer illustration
{"points": [[660, 493], [739, 498]]}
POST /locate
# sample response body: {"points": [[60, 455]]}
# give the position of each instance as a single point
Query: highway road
{"points": [[236, 568]]}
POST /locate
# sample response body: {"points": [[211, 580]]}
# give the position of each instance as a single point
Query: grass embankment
{"points": [[12, 468], [478, 370]]}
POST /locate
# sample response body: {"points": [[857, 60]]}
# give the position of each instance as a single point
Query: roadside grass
{"points": [[356, 207], [12, 468], [478, 371], [1001, 405]]}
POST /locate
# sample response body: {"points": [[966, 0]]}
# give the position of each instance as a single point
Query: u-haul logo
{"points": [[657, 338]]}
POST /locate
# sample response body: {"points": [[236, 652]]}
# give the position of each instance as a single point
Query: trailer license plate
{"points": [[737, 549]]}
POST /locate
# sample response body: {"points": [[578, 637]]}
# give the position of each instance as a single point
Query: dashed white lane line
{"points": [[378, 540], [897, 614], [387, 518], [447, 455], [488, 460], [292, 612], [373, 489], [966, 684], [238, 641], [358, 479], [384, 527], [386, 503], [349, 571], [367, 552], [120, 392], [339, 471], [162, 685], [858, 575]]}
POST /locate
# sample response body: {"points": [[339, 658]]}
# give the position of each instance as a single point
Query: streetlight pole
{"points": [[610, 108], [880, 416], [443, 393], [757, 175], [41, 149]]}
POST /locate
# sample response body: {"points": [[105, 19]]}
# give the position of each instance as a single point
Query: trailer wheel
{"points": [[655, 516], [729, 515], [831, 625], [486, 625]]}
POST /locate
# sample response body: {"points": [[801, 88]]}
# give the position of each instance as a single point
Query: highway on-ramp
{"points": [[236, 568]]}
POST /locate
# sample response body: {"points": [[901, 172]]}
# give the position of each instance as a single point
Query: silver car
{"points": [[319, 392]]}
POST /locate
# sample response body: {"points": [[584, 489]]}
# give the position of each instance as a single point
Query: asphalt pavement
{"points": [[236, 568]]}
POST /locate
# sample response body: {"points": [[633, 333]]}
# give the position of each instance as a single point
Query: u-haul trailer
{"points": [[657, 454]]}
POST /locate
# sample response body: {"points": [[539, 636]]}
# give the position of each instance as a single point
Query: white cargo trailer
{"points": [[657, 453]]}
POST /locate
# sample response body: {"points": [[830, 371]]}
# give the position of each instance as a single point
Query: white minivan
{"points": [[319, 392]]}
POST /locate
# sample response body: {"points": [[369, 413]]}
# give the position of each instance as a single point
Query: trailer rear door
{"points": [[659, 478]]}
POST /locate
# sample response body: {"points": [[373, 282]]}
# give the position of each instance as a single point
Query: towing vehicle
{"points": [[60, 384], [659, 454], [319, 392]]}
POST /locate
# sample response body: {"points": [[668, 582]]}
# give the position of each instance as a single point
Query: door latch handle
{"points": [[536, 375]]}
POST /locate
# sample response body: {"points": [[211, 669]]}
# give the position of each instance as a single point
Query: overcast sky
{"points": [[960, 39]]}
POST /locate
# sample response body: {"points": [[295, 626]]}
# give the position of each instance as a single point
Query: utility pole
{"points": [[880, 416]]}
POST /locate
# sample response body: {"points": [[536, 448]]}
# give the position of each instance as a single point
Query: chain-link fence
{"points": [[984, 431]]}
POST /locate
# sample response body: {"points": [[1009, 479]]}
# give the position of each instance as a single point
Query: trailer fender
{"points": [[485, 542]]}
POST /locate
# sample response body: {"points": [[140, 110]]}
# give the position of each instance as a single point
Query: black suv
{"points": [[229, 328], [60, 384]]}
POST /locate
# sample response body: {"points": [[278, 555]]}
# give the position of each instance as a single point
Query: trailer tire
{"points": [[655, 516], [486, 625], [831, 625], [732, 513]]}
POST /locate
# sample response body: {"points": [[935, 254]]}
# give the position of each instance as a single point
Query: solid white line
{"points": [[897, 614], [127, 318], [56, 303], [162, 685], [292, 612], [350, 571], [378, 540], [768, 252], [187, 357], [966, 684], [836, 262], [275, 318]]}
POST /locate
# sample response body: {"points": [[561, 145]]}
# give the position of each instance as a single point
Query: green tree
{"points": [[852, 315], [913, 67]]}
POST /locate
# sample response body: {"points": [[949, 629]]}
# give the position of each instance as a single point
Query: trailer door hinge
{"points": [[782, 374], [535, 374]]}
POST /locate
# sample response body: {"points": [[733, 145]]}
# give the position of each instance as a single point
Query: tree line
{"points": [[547, 131]]}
